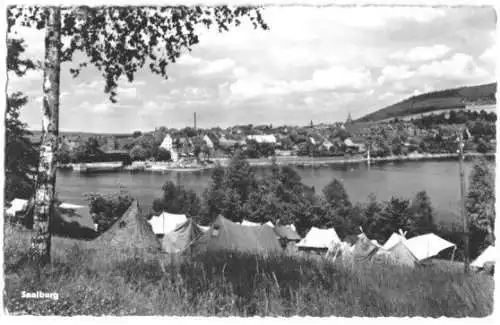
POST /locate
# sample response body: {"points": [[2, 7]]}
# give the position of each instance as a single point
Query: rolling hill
{"points": [[435, 101]]}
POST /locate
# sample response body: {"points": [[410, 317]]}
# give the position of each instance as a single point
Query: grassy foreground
{"points": [[225, 284]]}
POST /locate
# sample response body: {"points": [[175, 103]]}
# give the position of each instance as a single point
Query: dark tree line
{"points": [[20, 155]]}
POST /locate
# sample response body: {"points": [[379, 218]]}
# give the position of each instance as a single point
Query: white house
{"points": [[262, 138], [208, 142], [168, 144], [327, 144]]}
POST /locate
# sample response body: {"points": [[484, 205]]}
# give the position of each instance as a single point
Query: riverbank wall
{"points": [[299, 161], [323, 161]]}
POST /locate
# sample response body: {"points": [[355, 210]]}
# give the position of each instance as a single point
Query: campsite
{"points": [[250, 160], [170, 265]]}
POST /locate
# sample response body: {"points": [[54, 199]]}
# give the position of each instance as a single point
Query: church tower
{"points": [[349, 119]]}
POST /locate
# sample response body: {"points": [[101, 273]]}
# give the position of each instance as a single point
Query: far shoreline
{"points": [[304, 162]]}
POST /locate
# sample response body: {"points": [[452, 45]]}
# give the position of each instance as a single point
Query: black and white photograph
{"points": [[249, 159]]}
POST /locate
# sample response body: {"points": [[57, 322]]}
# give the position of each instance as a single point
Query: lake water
{"points": [[439, 178]]}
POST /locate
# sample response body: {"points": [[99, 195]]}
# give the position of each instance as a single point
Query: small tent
{"points": [[394, 239], [487, 256], [181, 238], [204, 228], [250, 224], [224, 234], [364, 249], [428, 245], [320, 239], [166, 222], [286, 233], [130, 231], [17, 205], [70, 206], [255, 224], [288, 238], [400, 254]]}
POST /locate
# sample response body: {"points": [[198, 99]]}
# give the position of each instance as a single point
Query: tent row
{"points": [[177, 233], [20, 205], [397, 249], [174, 233]]}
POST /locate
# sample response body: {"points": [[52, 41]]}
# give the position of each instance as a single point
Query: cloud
{"points": [[489, 55], [127, 93], [460, 65], [189, 60], [395, 72], [386, 95], [359, 58], [333, 78], [101, 108], [309, 100], [154, 108], [422, 53], [338, 77], [217, 66]]}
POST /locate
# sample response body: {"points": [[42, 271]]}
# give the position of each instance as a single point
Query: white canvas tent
{"points": [[70, 206], [396, 251], [428, 245], [270, 224], [166, 222], [255, 224], [204, 228], [392, 241], [488, 255], [17, 205], [320, 238], [249, 223]]}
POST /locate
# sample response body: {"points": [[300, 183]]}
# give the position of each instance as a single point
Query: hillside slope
{"points": [[437, 100]]}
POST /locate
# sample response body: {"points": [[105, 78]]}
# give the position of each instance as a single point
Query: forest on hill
{"points": [[435, 101]]}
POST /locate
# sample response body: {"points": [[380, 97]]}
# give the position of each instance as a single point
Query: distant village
{"points": [[427, 134]]}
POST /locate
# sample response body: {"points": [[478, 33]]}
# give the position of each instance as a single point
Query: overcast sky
{"points": [[314, 64]]}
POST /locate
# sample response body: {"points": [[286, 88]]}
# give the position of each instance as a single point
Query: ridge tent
{"points": [[287, 238], [487, 256], [247, 223], [396, 252], [392, 241], [166, 222], [364, 249], [401, 254], [227, 235], [427, 245], [130, 231], [16, 205], [320, 239], [204, 228], [181, 238], [70, 206], [287, 233]]}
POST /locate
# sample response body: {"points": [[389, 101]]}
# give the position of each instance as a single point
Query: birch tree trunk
{"points": [[46, 176]]}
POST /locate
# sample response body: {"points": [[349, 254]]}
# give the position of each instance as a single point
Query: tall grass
{"points": [[89, 282]]}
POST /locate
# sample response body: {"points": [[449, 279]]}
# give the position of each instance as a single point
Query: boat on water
{"points": [[98, 167], [168, 169]]}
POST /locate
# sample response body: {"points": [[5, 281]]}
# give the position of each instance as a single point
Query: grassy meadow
{"points": [[91, 282]]}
